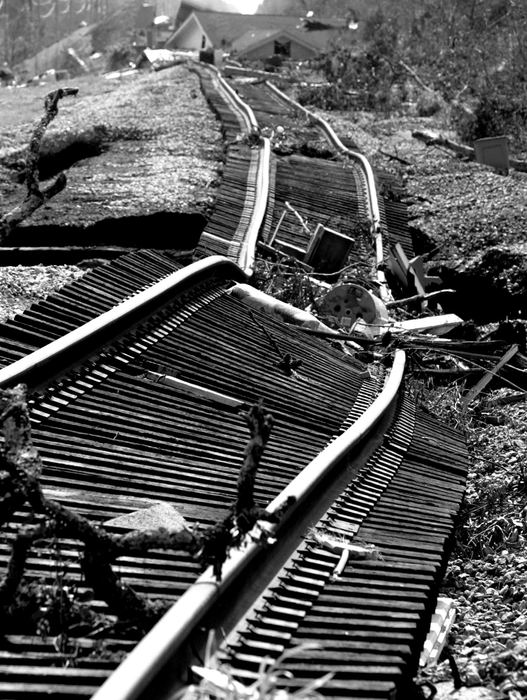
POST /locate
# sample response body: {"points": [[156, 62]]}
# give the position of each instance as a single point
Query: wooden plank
{"points": [[488, 376]]}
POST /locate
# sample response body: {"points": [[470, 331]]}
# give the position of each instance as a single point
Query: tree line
{"points": [[27, 26]]}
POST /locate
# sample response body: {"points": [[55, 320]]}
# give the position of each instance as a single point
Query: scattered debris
{"points": [[489, 376], [431, 138], [345, 304], [157, 59], [328, 250], [436, 325], [440, 625]]}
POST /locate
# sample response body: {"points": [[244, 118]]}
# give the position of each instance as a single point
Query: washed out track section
{"points": [[272, 111], [133, 429], [369, 619], [78, 302], [234, 224], [227, 227], [393, 213], [321, 191], [327, 191]]}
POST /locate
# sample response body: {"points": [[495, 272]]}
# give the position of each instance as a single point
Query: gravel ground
{"points": [[160, 148], [158, 122], [21, 286]]}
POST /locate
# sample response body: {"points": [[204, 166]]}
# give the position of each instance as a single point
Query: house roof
{"points": [[252, 39], [223, 28]]}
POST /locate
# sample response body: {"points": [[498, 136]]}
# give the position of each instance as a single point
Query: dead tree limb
{"points": [[417, 79], [36, 197], [25, 538], [21, 465], [418, 297], [394, 156], [243, 514], [260, 425], [20, 470]]}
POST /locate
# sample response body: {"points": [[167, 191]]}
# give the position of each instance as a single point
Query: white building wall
{"points": [[190, 37]]}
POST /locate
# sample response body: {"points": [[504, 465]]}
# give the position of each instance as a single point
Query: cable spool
{"points": [[347, 304]]}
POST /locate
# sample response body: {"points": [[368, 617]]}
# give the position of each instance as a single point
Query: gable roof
{"points": [[224, 28], [253, 39]]}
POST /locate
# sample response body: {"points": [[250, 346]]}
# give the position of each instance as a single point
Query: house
{"points": [[253, 36], [288, 43]]}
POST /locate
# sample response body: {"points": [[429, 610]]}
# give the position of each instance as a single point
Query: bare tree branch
{"points": [[35, 196], [20, 470]]}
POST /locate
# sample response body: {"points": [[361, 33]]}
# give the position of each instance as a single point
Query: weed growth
{"points": [[218, 681]]}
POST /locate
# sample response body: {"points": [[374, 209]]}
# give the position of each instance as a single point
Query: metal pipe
{"points": [[134, 674], [278, 309], [81, 340]]}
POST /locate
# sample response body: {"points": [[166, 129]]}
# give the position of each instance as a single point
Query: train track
{"points": [[139, 373]]}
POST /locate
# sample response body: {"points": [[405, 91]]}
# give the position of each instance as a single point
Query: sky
{"points": [[246, 6]]}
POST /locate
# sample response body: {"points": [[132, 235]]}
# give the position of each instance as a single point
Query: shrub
{"points": [[429, 103], [494, 115], [120, 56], [329, 97]]}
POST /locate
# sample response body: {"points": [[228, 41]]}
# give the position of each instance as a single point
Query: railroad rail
{"points": [[233, 230], [89, 428], [138, 373]]}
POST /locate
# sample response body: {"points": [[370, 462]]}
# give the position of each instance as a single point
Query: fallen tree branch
{"points": [[260, 425], [417, 297], [393, 156], [430, 138], [243, 514], [417, 79], [506, 400], [489, 376], [17, 562], [35, 196], [20, 470]]}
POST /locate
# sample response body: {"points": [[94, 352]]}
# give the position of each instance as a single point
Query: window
{"points": [[203, 41], [282, 48]]}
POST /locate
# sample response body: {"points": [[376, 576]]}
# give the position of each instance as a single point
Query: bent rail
{"points": [[243, 245], [242, 109], [163, 641], [363, 162], [247, 255], [42, 363]]}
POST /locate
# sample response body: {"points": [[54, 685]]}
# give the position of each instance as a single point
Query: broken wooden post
{"points": [[417, 297], [411, 270], [488, 377]]}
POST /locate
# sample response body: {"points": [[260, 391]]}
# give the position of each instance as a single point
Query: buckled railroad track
{"points": [[140, 409]]}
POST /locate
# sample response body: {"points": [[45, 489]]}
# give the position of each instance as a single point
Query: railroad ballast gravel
{"points": [[22, 286]]}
